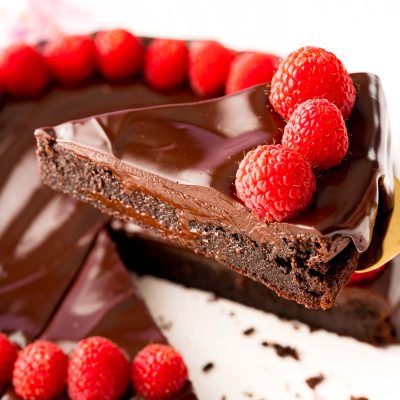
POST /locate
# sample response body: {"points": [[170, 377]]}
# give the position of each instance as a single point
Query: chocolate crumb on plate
{"points": [[249, 331], [314, 381], [358, 398], [208, 367], [282, 351]]}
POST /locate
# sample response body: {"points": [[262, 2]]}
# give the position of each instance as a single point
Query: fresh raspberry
{"points": [[249, 69], [72, 59], [165, 64], [309, 73], [364, 277], [98, 369], [8, 355], [40, 371], [119, 54], [158, 372], [209, 64], [275, 182], [317, 130], [23, 70]]}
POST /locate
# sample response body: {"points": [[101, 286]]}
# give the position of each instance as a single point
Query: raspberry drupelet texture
{"points": [[276, 183], [23, 71], [158, 372], [249, 69], [317, 130], [98, 369], [166, 63], [40, 371], [119, 54], [309, 73], [8, 355], [209, 64], [72, 59]]}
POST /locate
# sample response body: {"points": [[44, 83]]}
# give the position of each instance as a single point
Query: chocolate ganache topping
{"points": [[200, 145], [44, 236]]}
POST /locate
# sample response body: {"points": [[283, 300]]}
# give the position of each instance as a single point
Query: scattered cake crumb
{"points": [[223, 397], [314, 381], [248, 394], [282, 351], [249, 331], [208, 367], [164, 324], [358, 398], [232, 314]]}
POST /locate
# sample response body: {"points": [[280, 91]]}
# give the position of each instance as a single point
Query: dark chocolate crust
{"points": [[121, 163]]}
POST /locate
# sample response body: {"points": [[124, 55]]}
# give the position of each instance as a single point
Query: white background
{"points": [[364, 34]]}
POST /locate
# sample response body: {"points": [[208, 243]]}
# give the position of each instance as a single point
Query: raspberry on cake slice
{"points": [[172, 169]]}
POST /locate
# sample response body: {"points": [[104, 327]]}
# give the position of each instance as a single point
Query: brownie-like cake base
{"points": [[361, 312]]}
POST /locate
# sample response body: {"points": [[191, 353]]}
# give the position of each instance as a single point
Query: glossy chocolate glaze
{"points": [[44, 236], [199, 146], [104, 301]]}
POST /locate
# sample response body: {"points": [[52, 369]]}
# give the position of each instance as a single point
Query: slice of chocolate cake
{"points": [[171, 169], [368, 311], [103, 301]]}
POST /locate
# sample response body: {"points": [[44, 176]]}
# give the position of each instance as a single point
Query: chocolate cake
{"points": [[62, 280], [103, 301], [171, 168], [368, 311], [46, 238]]}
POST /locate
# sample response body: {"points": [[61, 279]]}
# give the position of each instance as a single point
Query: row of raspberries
{"points": [[118, 55], [313, 92], [96, 369]]}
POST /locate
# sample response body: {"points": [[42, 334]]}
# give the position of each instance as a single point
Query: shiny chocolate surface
{"points": [[44, 236], [49, 278]]}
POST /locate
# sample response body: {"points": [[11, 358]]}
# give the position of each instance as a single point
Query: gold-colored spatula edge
{"points": [[391, 241]]}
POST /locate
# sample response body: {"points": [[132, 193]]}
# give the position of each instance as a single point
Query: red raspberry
{"points": [[364, 277], [309, 73], [23, 70], [119, 54], [166, 63], [158, 372], [249, 69], [8, 355], [209, 64], [72, 59], [275, 182], [40, 371], [317, 130], [98, 369]]}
